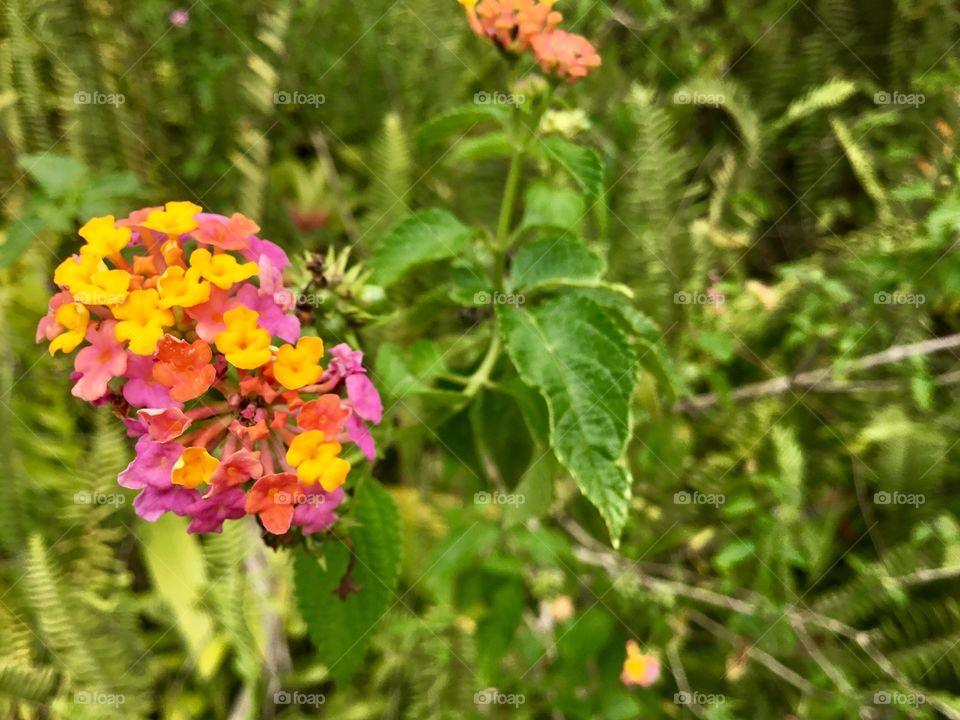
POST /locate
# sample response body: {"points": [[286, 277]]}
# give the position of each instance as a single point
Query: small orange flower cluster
{"points": [[516, 26], [180, 329]]}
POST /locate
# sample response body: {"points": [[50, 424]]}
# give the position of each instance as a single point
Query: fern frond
{"points": [[251, 156], [863, 166], [390, 169]]}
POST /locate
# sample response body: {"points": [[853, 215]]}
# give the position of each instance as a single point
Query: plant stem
{"points": [[482, 375], [509, 199], [502, 242], [501, 247]]}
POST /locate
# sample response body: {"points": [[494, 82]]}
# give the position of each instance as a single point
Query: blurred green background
{"points": [[793, 161]]}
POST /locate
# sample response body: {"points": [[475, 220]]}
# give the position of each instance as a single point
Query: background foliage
{"points": [[754, 152]]}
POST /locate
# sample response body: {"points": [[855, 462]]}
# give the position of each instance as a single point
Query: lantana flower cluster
{"points": [[186, 329], [518, 26]]}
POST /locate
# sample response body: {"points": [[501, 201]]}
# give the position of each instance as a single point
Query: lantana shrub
{"points": [[181, 323]]}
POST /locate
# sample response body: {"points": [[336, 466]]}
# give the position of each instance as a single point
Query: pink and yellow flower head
{"points": [[639, 669], [517, 26], [181, 325]]}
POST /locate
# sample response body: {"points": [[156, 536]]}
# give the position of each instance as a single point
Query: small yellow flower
{"points": [[194, 467], [107, 287], [142, 321], [300, 365], [182, 287], [75, 318], [175, 219], [316, 460], [91, 282], [103, 236], [74, 273], [245, 345], [222, 270]]}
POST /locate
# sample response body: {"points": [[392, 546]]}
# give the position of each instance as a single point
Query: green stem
{"points": [[504, 235], [482, 375], [509, 198], [501, 246]]}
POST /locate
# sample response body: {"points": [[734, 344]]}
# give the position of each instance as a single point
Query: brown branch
{"points": [[832, 671], [822, 380], [680, 675], [756, 654]]}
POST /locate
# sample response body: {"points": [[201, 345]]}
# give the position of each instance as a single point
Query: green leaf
{"points": [[647, 338], [466, 283], [620, 309], [585, 637], [554, 260], [20, 233], [500, 435], [583, 366], [55, 174], [459, 120], [944, 220], [423, 237], [532, 407], [583, 163], [496, 630], [536, 489], [549, 206], [733, 554], [102, 194], [341, 628], [485, 147], [176, 566], [411, 370], [716, 344]]}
